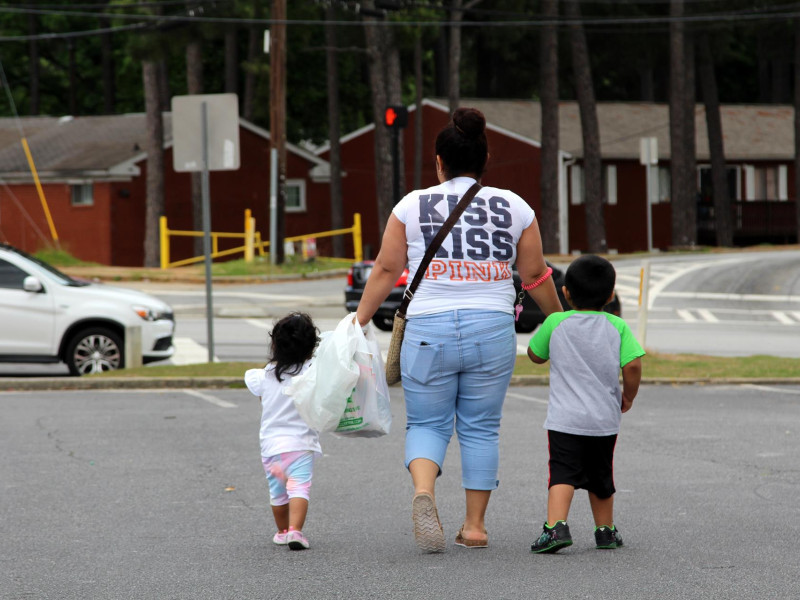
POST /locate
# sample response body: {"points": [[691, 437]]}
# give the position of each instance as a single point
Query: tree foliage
{"points": [[752, 58]]}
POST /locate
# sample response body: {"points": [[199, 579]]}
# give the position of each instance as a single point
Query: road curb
{"points": [[31, 384]]}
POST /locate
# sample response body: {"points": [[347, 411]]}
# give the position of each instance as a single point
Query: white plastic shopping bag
{"points": [[367, 412], [321, 392]]}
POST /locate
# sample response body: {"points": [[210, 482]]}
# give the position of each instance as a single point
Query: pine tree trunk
{"points": [[164, 95], [154, 146], [231, 61], [590, 129], [33, 67], [254, 37], [454, 56], [383, 153], [334, 129], [797, 123], [72, 102], [690, 154], [109, 83], [418, 85], [678, 126], [277, 118], [548, 61], [719, 178]]}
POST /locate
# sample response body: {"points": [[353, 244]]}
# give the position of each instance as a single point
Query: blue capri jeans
{"points": [[456, 367]]}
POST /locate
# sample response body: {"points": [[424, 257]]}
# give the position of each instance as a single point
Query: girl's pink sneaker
{"points": [[296, 540], [280, 538]]}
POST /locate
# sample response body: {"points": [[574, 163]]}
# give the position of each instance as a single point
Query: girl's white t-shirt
{"points": [[473, 267], [282, 427]]}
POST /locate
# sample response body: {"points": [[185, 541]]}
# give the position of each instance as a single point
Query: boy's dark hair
{"points": [[462, 143], [590, 281], [294, 338]]}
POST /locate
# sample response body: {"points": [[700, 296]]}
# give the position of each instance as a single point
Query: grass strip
{"points": [[656, 365]]}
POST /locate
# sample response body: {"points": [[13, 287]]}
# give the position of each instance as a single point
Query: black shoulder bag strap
{"points": [[434, 246]]}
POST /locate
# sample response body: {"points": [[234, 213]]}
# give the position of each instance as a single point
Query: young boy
{"points": [[587, 347]]}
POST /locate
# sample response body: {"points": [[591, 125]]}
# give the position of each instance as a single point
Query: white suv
{"points": [[47, 316]]}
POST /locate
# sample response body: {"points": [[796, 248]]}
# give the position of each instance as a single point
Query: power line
{"points": [[754, 14], [74, 34]]}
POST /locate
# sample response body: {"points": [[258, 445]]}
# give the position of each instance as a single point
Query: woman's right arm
{"points": [[387, 269], [531, 266]]}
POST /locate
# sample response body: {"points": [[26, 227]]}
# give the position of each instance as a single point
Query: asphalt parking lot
{"points": [[160, 494]]}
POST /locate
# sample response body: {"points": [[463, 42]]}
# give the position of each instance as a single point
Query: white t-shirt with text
{"points": [[473, 266]]}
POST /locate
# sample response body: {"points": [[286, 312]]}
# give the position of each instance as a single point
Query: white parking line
{"points": [[189, 352], [782, 317], [774, 390], [209, 398], [706, 315], [533, 399], [686, 315], [796, 314], [261, 324]]}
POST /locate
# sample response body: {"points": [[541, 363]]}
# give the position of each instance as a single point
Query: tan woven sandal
{"points": [[465, 543]]}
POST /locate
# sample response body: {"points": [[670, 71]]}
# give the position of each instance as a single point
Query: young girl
{"points": [[288, 445]]}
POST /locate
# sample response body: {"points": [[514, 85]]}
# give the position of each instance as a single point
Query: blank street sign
{"points": [[222, 114]]}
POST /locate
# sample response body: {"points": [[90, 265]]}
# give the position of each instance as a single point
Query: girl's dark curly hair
{"points": [[294, 338]]}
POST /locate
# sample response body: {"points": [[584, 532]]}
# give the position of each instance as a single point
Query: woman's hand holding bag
{"points": [[344, 388]]}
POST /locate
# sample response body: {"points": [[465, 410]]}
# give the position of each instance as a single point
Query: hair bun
{"points": [[469, 122]]}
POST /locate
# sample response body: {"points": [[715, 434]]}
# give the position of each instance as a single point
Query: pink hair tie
{"points": [[529, 286]]}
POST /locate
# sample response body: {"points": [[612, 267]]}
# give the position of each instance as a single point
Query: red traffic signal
{"points": [[395, 116]]}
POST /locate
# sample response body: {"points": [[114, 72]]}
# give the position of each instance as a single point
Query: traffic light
{"points": [[395, 117]]}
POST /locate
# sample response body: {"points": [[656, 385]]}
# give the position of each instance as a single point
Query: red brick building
{"points": [[93, 174]]}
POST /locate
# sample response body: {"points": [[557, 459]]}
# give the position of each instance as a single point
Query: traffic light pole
{"points": [[395, 166]]}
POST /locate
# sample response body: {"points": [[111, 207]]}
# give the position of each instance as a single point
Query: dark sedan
{"points": [[530, 317]]}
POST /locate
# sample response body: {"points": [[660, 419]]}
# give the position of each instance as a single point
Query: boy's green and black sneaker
{"points": [[607, 538], [553, 538]]}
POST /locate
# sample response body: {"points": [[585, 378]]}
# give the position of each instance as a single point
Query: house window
{"points": [[576, 183], [706, 186], [766, 183], [611, 184], [295, 195], [82, 194], [664, 184]]}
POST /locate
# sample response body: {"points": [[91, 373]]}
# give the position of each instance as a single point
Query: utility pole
{"points": [[277, 117]]}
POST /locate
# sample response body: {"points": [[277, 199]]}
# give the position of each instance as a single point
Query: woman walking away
{"points": [[459, 347], [288, 445]]}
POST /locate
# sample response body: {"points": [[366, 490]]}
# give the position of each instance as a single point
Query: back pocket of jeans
{"points": [[498, 355], [421, 361]]}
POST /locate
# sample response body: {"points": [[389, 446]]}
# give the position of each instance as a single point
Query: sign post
{"points": [[648, 156], [205, 135]]}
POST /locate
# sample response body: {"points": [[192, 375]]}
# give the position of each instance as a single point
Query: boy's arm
{"points": [[631, 376], [538, 360]]}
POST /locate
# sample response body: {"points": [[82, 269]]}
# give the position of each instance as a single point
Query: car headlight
{"points": [[151, 314]]}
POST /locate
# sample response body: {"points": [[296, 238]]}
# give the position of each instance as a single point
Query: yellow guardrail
{"points": [[252, 241]]}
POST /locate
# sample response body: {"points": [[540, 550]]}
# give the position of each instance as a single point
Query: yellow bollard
{"points": [[164, 237], [249, 227], [357, 237]]}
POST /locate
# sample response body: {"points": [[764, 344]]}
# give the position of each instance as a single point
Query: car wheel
{"points": [[94, 350], [383, 323]]}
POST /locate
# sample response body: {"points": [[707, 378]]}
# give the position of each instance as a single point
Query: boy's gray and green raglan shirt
{"points": [[586, 351]]}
